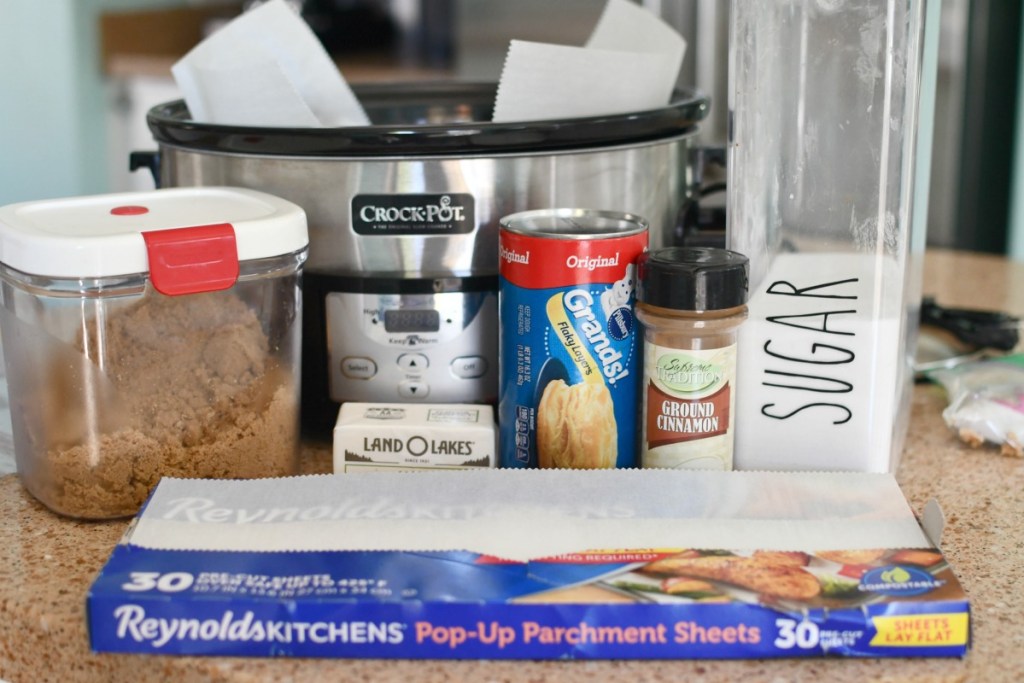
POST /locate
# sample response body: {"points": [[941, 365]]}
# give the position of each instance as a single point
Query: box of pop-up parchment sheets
{"points": [[531, 564]]}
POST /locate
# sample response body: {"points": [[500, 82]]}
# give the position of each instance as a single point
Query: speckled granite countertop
{"points": [[47, 564]]}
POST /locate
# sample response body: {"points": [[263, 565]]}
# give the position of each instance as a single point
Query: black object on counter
{"points": [[985, 329]]}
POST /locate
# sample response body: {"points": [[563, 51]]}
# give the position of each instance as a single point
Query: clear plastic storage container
{"points": [[147, 335], [828, 166]]}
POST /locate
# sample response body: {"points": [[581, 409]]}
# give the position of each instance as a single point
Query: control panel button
{"points": [[358, 367], [469, 367], [413, 362], [410, 389]]}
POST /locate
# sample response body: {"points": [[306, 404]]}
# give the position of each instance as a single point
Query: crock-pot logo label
{"points": [[413, 214]]}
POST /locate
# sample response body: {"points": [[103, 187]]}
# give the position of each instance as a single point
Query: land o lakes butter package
{"points": [[532, 564], [390, 436]]}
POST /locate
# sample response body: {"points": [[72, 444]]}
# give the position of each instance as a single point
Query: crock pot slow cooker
{"points": [[399, 298]]}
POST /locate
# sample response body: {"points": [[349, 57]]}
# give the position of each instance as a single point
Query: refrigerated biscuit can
{"points": [[568, 351]]}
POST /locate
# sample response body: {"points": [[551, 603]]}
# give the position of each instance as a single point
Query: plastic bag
{"points": [[986, 402]]}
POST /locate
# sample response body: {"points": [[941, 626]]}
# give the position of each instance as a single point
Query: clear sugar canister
{"points": [[150, 334], [691, 302]]}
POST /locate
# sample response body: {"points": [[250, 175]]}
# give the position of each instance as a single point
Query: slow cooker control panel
{"points": [[439, 347]]}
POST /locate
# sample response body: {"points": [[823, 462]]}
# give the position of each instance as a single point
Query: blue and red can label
{"points": [[569, 357]]}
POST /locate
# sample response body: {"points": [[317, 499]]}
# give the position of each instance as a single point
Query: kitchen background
{"points": [[77, 77]]}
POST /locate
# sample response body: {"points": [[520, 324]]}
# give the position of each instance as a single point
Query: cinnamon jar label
{"points": [[672, 419], [688, 407]]}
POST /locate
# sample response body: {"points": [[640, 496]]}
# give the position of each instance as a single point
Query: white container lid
{"points": [[109, 235]]}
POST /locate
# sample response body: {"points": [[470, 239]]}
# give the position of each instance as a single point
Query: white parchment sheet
{"points": [[266, 68], [529, 514], [630, 63]]}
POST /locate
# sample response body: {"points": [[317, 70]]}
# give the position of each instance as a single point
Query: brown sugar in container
{"points": [[150, 334], [691, 302]]}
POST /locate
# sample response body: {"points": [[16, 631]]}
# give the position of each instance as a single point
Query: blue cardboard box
{"points": [[675, 601]]}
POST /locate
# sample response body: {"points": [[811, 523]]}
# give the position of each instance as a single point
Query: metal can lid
{"points": [[574, 224], [692, 278], [104, 235]]}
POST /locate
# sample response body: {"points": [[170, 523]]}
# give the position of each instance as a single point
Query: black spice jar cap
{"points": [[692, 278]]}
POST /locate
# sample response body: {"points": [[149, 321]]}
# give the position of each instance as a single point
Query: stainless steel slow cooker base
{"points": [[418, 194]]}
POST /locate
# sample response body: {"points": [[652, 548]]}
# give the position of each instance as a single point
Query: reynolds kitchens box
{"points": [[531, 564]]}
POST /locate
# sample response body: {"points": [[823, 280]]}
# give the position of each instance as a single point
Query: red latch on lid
{"points": [[202, 258]]}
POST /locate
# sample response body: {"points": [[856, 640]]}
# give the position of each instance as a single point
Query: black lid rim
{"points": [[170, 125]]}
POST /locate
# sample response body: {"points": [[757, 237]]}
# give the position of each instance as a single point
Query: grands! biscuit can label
{"points": [[569, 357]]}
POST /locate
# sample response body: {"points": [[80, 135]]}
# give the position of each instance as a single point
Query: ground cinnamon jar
{"points": [[691, 302]]}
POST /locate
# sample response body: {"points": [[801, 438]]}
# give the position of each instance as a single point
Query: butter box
{"points": [[398, 436]]}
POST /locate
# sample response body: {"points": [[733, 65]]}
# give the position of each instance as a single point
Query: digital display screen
{"points": [[412, 320]]}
